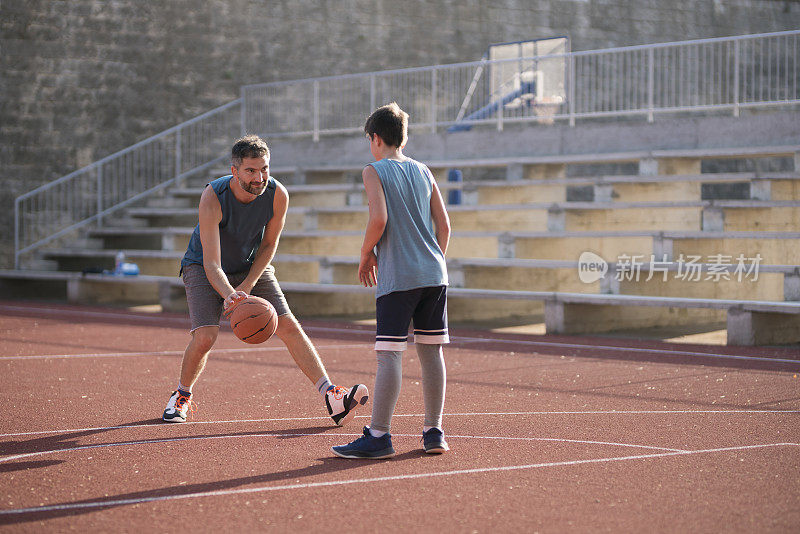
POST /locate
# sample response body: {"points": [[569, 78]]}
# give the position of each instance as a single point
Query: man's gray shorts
{"points": [[205, 304]]}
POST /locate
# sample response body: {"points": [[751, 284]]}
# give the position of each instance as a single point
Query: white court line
{"points": [[287, 487], [172, 352], [456, 414], [620, 349], [291, 435], [160, 320], [453, 339]]}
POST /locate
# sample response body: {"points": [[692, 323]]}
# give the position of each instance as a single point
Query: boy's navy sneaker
{"points": [[367, 446], [433, 441]]}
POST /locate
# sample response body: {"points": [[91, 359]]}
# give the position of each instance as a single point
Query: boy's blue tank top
{"points": [[240, 230], [409, 256]]}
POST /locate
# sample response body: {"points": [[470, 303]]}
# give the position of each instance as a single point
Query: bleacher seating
{"points": [[514, 249]]}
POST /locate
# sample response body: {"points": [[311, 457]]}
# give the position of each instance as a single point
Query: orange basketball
{"points": [[254, 320]]}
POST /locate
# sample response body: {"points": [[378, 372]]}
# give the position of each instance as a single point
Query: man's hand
{"points": [[368, 269], [231, 301]]}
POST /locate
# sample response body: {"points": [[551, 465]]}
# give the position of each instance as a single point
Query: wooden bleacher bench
{"points": [[491, 244], [681, 187], [749, 322], [464, 272], [648, 160]]}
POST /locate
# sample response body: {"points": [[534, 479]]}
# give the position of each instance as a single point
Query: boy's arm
{"points": [[368, 264], [210, 214], [440, 218], [269, 243]]}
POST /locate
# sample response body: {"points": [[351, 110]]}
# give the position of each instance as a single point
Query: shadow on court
{"points": [[325, 466]]}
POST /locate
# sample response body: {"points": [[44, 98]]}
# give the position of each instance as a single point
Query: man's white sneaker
{"points": [[178, 408], [342, 402]]}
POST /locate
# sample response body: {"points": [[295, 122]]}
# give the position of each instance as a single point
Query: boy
{"points": [[229, 256], [409, 227]]}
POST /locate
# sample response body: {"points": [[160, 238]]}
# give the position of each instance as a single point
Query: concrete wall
{"points": [[81, 79], [759, 129]]}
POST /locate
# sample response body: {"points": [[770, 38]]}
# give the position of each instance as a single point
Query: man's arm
{"points": [[368, 264], [269, 243], [441, 220], [210, 215]]}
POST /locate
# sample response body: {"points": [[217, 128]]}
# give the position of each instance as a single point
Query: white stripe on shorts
{"points": [[391, 345], [424, 339]]}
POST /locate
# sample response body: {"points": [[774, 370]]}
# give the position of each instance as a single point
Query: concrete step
{"points": [[537, 165], [728, 278], [749, 321], [636, 188], [776, 248], [297, 218], [778, 216], [680, 188], [765, 217], [585, 216], [784, 189], [42, 264], [124, 238]]}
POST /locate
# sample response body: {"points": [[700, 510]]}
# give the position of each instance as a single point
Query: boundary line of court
{"points": [[454, 339], [111, 313], [310, 485], [455, 414], [616, 348], [293, 435], [173, 352]]}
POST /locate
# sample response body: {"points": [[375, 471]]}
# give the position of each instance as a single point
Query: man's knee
{"points": [[287, 326], [204, 338]]}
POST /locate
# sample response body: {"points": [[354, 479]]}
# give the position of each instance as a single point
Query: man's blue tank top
{"points": [[240, 230], [409, 256]]}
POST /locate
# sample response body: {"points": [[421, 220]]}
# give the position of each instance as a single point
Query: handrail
{"points": [[699, 75], [91, 193], [131, 148], [144, 194], [566, 54]]}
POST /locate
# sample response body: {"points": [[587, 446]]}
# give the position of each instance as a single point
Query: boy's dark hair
{"points": [[390, 123], [249, 146]]}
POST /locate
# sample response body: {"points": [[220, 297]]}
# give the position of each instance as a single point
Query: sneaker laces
{"points": [[337, 392], [182, 401]]}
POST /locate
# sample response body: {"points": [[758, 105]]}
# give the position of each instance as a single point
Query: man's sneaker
{"points": [[367, 447], [433, 441], [178, 407], [342, 402]]}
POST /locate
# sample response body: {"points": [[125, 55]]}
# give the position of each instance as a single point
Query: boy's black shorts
{"points": [[427, 306]]}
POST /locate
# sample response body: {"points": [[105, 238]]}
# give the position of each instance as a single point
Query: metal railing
{"points": [[721, 74], [728, 73], [105, 186]]}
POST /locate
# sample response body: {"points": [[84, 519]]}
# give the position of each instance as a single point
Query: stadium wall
{"points": [[81, 79]]}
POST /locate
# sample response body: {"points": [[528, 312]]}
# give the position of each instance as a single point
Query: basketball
{"points": [[254, 320]]}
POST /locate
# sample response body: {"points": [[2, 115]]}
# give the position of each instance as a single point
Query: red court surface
{"points": [[548, 434]]}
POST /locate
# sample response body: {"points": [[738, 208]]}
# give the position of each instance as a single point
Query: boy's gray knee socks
{"points": [[434, 377], [387, 388], [388, 379]]}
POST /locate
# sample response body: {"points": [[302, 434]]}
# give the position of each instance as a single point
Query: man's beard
{"points": [[252, 188]]}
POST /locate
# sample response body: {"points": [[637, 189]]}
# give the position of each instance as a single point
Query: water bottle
{"points": [[130, 269], [454, 195], [119, 261]]}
